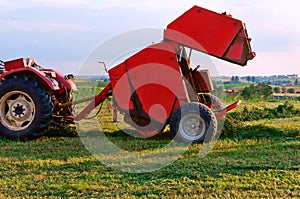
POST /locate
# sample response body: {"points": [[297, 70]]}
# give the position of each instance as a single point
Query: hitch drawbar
{"points": [[98, 99], [227, 109]]}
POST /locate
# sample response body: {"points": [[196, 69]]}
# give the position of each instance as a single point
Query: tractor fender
{"points": [[68, 84], [39, 76]]}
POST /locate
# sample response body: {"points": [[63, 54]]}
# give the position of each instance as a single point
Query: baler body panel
{"points": [[121, 86], [202, 81], [151, 81], [212, 33]]}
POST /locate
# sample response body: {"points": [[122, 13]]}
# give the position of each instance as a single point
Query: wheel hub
{"points": [[192, 125], [20, 108], [17, 110]]}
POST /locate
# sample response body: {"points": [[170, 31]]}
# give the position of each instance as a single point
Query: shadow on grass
{"points": [[54, 131], [132, 141], [230, 131]]}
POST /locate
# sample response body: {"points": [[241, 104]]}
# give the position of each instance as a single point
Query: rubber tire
{"points": [[42, 103], [211, 101], [204, 112]]}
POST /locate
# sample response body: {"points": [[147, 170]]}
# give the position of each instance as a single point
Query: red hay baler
{"points": [[157, 86], [152, 88]]}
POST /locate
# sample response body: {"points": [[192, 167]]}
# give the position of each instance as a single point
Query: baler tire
{"points": [[193, 122], [25, 108], [211, 101]]}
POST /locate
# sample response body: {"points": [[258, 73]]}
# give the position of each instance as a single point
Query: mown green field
{"points": [[238, 85], [261, 160]]}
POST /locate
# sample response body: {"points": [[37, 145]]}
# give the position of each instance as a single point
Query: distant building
{"points": [[230, 91]]}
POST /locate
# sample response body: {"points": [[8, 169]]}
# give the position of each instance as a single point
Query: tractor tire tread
{"points": [[42, 102]]}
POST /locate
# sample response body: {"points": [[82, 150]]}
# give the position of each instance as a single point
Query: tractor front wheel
{"points": [[25, 108], [193, 122]]}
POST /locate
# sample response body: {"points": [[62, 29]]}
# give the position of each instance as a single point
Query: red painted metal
{"points": [[148, 83], [23, 65], [68, 84], [227, 109], [15, 64], [202, 81], [121, 86], [30, 71], [216, 34]]}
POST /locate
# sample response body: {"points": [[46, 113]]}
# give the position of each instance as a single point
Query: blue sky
{"points": [[61, 34]]}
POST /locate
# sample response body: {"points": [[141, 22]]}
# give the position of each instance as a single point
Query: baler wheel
{"points": [[25, 108], [193, 122], [211, 101]]}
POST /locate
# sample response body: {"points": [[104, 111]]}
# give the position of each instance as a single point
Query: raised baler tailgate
{"points": [[216, 34]]}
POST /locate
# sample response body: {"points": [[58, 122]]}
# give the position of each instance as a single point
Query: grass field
{"points": [[261, 161], [236, 86]]}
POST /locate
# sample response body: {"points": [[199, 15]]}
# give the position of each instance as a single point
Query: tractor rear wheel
{"points": [[193, 122], [25, 108]]}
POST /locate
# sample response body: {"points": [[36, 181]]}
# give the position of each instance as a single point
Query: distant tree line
{"points": [[259, 91], [274, 80], [235, 79], [284, 90], [250, 79]]}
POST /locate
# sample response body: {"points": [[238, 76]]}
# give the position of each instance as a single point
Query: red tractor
{"points": [[152, 88], [29, 99]]}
